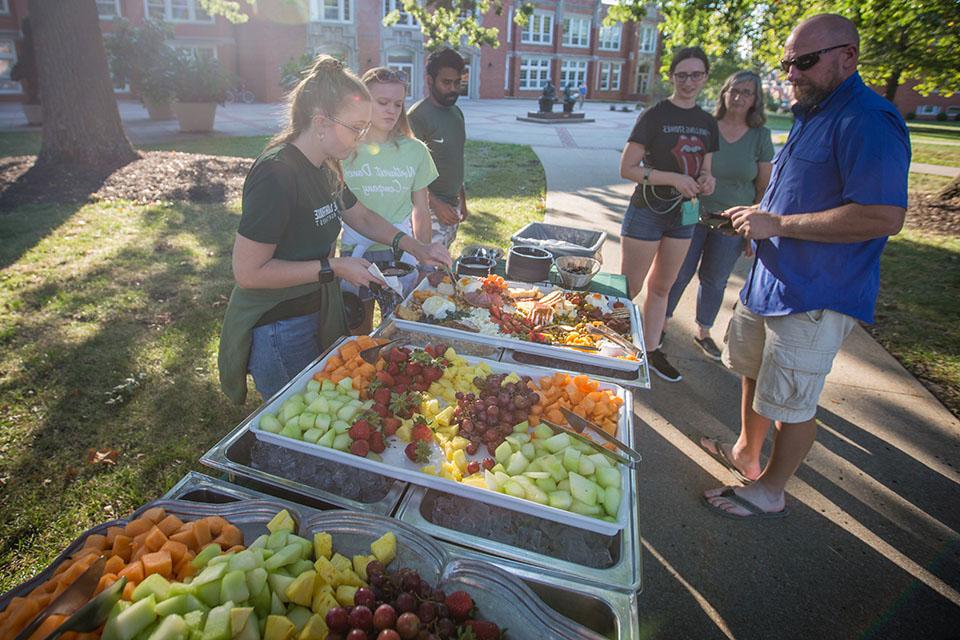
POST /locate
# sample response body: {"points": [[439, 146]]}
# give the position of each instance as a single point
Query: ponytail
{"points": [[323, 90]]}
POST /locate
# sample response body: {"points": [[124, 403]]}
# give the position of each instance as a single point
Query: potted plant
{"points": [[200, 85], [140, 57], [25, 72]]}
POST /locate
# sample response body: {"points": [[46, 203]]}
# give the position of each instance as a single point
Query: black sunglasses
{"points": [[807, 60], [389, 75]]}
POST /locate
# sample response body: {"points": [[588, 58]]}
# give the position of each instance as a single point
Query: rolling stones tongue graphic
{"points": [[689, 154]]}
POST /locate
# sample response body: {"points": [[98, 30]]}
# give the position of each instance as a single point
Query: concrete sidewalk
{"points": [[871, 546]]}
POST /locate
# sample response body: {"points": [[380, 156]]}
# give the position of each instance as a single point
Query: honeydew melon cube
{"points": [[535, 493], [354, 394], [340, 426], [558, 442], [276, 605], [312, 435], [242, 561], [313, 385], [322, 545], [326, 440], [491, 481], [299, 567], [345, 385], [540, 449], [608, 477], [279, 584], [560, 499], [291, 430], [178, 605], [515, 440], [517, 463], [290, 410], [583, 447], [234, 587], [327, 385], [611, 500], [345, 594], [503, 452], [586, 466], [571, 459], [585, 509], [501, 476], [211, 573], [131, 620], [546, 484], [310, 395], [498, 467], [551, 464], [269, 422], [209, 593], [278, 628], [287, 555], [542, 432], [600, 460], [154, 584], [342, 442], [194, 619], [535, 465], [319, 406], [514, 488], [582, 489], [240, 617], [262, 602], [171, 627], [180, 589], [278, 538], [564, 485], [529, 451], [335, 403], [306, 420], [533, 474], [223, 559], [259, 543], [299, 616], [323, 421], [315, 629], [256, 578], [347, 412]]}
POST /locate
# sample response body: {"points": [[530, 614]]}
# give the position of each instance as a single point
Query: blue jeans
{"points": [[716, 254], [281, 350]]}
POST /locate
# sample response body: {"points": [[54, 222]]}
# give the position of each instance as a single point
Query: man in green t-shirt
{"points": [[438, 122]]}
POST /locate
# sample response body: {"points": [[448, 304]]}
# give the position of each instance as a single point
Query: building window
{"points": [[108, 9], [609, 77], [8, 58], [406, 20], [509, 26], [539, 29], [402, 60], [573, 72], [4, 8], [506, 73], [177, 11], [196, 51], [576, 32], [610, 38], [643, 79], [534, 72], [333, 11], [648, 39], [928, 110]]}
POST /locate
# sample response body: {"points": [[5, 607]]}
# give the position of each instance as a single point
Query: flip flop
{"points": [[755, 511], [722, 458]]}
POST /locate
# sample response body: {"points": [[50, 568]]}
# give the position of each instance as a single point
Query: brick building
{"points": [[564, 41]]}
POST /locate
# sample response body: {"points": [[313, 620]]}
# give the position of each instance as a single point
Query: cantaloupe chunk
{"points": [[201, 532], [122, 547], [128, 591], [138, 526], [154, 515], [230, 536], [95, 541], [155, 539], [114, 564], [185, 535], [216, 524], [48, 626], [112, 533], [170, 525], [176, 550], [133, 572], [106, 581], [157, 562]]}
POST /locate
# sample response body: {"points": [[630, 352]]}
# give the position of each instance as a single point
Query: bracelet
{"points": [[646, 174], [396, 243]]}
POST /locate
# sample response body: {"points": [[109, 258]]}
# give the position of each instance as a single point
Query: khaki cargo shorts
{"points": [[445, 233], [789, 357]]}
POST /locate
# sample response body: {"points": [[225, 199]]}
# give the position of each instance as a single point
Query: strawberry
{"points": [[360, 430], [393, 368], [413, 368], [392, 422], [396, 355], [385, 378], [418, 451], [421, 431], [460, 605], [380, 410], [360, 448], [382, 396], [483, 630], [376, 442]]}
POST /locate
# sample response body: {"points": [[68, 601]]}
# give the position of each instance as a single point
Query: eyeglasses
{"points": [[358, 131], [807, 60], [696, 76], [741, 93], [389, 75]]}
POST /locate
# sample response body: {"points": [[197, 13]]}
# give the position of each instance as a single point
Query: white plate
{"points": [[395, 463]]}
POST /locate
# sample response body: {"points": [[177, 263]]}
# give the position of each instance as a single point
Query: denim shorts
{"points": [[281, 350], [641, 223]]}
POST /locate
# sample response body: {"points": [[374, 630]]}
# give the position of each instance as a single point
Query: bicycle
{"points": [[239, 94]]}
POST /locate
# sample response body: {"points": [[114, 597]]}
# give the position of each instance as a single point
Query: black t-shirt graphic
{"points": [[675, 140]]}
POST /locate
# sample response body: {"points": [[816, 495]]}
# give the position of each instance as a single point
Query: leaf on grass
{"points": [[102, 456]]}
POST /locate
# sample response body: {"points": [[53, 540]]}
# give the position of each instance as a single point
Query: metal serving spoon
{"points": [[90, 616]]}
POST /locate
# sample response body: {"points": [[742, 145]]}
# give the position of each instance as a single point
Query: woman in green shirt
{"points": [[286, 307], [742, 168], [389, 174]]}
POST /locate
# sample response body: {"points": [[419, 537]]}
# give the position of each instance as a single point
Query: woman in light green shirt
{"points": [[389, 175]]}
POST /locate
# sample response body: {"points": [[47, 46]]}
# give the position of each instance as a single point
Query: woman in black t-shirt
{"points": [[668, 155], [287, 307]]}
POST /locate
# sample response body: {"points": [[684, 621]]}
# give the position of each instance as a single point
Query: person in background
{"points": [[669, 156], [389, 175], [838, 190], [438, 122], [286, 307], [742, 168], [583, 95]]}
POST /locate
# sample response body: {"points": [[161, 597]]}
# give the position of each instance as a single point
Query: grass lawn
{"points": [[927, 183], [109, 323], [948, 155]]}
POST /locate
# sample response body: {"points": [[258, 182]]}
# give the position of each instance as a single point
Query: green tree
{"points": [[456, 23]]}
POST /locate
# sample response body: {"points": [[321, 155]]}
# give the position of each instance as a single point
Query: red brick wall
{"points": [[908, 100], [263, 45]]}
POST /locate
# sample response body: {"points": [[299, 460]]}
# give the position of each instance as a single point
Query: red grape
{"points": [[357, 634], [388, 634], [408, 626], [384, 617], [361, 618], [338, 619], [364, 597]]}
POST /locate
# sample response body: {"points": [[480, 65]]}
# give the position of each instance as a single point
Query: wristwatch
{"points": [[326, 272], [646, 174]]}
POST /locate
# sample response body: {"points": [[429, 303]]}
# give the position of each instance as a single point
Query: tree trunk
{"points": [[893, 82], [951, 191], [81, 121]]}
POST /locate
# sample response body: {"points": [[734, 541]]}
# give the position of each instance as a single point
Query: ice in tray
{"points": [[408, 427]]}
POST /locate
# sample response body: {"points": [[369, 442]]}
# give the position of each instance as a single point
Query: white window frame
{"points": [[609, 76], [543, 34], [537, 65], [648, 39], [643, 79], [579, 70], [116, 3], [576, 31], [345, 12], [406, 20], [509, 25], [609, 38], [12, 87], [4, 7], [192, 7], [927, 110], [506, 73], [182, 49]]}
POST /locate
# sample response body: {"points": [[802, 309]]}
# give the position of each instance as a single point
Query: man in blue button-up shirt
{"points": [[838, 190]]}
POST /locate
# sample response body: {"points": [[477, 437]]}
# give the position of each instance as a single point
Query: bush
{"points": [[942, 117], [293, 70], [140, 56], [200, 79], [911, 115]]}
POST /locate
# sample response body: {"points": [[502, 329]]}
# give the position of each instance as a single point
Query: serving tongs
{"points": [[371, 354], [599, 448], [579, 424], [72, 598], [92, 615], [614, 337]]}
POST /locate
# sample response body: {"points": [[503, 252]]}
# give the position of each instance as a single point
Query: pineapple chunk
{"points": [[384, 548], [342, 563], [404, 431], [323, 602], [459, 442], [349, 578], [282, 521], [315, 629], [345, 594], [360, 565], [279, 628], [443, 417], [476, 480], [326, 571], [429, 469], [322, 545], [460, 459], [300, 591], [450, 471]]}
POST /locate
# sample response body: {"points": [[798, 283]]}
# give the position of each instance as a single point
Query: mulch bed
{"points": [[931, 214], [158, 176]]}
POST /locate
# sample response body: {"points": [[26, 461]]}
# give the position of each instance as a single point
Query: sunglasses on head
{"points": [[389, 75], [807, 60]]}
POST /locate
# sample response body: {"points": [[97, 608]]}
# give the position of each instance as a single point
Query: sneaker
{"points": [[709, 347], [663, 334], [660, 366]]}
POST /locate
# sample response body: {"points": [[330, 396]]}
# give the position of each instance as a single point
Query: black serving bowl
{"points": [[475, 266], [528, 264]]}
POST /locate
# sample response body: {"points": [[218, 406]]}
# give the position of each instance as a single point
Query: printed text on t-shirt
{"points": [[326, 213]]}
